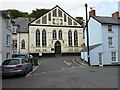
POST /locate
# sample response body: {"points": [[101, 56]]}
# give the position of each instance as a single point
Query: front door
{"points": [[57, 48]]}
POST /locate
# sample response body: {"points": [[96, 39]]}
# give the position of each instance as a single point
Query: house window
{"points": [[69, 21], [55, 13], [75, 38], [110, 41], [23, 44], [65, 18], [60, 34], [7, 55], [109, 28], [44, 20], [100, 59], [38, 21], [37, 38], [15, 44], [8, 40], [70, 39], [49, 16], [54, 35], [113, 56], [59, 13], [44, 38]]}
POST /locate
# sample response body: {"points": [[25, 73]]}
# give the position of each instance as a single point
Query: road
{"points": [[61, 72]]}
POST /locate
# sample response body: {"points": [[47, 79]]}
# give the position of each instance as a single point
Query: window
{"points": [[69, 21], [100, 59], [7, 55], [8, 40], [109, 28], [113, 56], [49, 16], [44, 20], [65, 18], [54, 35], [60, 34], [70, 39], [44, 38], [38, 21], [55, 13], [59, 13], [37, 38], [23, 44], [75, 38], [110, 41], [75, 23], [15, 44]]}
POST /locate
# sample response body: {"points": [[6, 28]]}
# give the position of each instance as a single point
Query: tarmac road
{"points": [[61, 72]]}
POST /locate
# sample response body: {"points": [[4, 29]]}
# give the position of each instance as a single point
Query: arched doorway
{"points": [[57, 48]]}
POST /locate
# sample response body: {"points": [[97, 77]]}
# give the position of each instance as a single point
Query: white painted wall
{"points": [[51, 42], [20, 37], [3, 34], [98, 34], [119, 8], [95, 33]]}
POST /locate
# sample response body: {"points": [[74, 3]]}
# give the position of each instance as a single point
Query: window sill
{"points": [[111, 46], [22, 48]]}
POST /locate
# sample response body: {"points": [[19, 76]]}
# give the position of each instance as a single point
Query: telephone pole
{"points": [[88, 52]]}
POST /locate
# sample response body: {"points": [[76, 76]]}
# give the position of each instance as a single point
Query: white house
{"points": [[5, 36], [56, 32], [104, 34], [20, 35]]}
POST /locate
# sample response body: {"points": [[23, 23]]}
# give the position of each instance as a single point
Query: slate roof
{"points": [[22, 22], [90, 47], [107, 20]]}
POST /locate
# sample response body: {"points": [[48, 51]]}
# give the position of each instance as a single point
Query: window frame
{"points": [[60, 35], [75, 38], [37, 38], [23, 44], [44, 44], [110, 42], [70, 38], [54, 35], [8, 40], [114, 56]]}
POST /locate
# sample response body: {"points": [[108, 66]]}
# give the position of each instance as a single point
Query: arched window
{"points": [[70, 39], [54, 35], [44, 38], [60, 34], [37, 38], [23, 44], [75, 38]]}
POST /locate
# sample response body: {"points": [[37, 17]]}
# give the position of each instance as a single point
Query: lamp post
{"points": [[88, 52]]}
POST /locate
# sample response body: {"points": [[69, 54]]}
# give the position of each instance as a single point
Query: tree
{"points": [[38, 13], [17, 13], [80, 20]]}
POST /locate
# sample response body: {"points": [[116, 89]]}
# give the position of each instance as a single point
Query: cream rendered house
{"points": [[56, 32]]}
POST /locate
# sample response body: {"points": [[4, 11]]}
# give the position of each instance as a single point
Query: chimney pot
{"points": [[115, 14], [92, 13]]}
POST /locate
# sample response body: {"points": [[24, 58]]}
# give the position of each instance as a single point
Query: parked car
{"points": [[22, 56], [16, 66]]}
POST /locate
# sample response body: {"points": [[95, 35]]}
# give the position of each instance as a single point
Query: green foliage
{"points": [[38, 13], [17, 13], [35, 13], [80, 20]]}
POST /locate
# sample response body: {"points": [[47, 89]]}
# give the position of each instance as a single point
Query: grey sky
{"points": [[73, 7]]}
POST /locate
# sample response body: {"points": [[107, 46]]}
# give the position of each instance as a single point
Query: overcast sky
{"points": [[72, 7]]}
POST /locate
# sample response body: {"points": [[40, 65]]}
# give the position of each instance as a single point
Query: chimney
{"points": [[92, 13], [115, 14]]}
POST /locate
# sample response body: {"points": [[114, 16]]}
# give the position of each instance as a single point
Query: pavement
{"points": [[63, 72]]}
